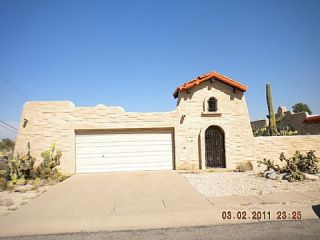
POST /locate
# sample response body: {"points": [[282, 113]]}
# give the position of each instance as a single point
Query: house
{"points": [[301, 122], [210, 128]]}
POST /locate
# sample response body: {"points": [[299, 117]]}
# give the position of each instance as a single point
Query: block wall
{"points": [[271, 147], [57, 122]]}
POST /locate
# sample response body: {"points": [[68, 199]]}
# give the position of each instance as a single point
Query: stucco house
{"points": [[210, 128], [302, 122]]}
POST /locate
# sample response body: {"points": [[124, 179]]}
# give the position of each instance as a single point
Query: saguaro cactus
{"points": [[272, 119]]}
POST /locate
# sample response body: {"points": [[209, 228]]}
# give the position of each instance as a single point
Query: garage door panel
{"points": [[126, 159], [125, 149], [123, 137], [122, 143], [107, 156], [124, 152]]}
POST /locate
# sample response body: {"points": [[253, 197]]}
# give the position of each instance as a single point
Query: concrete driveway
{"points": [[139, 200], [111, 201]]}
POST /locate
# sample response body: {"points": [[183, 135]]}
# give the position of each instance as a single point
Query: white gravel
{"points": [[248, 183]]}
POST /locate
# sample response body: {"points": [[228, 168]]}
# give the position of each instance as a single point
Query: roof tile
{"points": [[208, 76], [312, 119]]}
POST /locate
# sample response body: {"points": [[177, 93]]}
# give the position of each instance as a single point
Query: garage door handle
{"points": [[103, 156]]}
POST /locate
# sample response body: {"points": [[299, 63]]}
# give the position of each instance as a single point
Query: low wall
{"points": [[259, 124], [271, 147]]}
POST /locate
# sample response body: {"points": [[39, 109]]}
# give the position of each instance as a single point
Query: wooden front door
{"points": [[215, 149]]}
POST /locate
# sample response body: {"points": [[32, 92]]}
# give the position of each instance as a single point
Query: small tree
{"points": [[301, 107], [6, 144]]}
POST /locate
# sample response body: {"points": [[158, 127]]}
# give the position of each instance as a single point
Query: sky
{"points": [[135, 53]]}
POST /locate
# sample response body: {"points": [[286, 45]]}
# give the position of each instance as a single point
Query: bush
{"points": [[6, 145], [286, 131], [291, 167], [261, 132], [269, 164], [308, 163], [295, 166], [20, 170], [244, 166], [282, 131]]}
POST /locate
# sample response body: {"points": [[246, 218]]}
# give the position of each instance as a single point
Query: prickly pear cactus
{"points": [[3, 184], [26, 164], [21, 167], [14, 171], [51, 159]]}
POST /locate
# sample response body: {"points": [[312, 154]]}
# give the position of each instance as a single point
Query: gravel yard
{"points": [[244, 183], [10, 201]]}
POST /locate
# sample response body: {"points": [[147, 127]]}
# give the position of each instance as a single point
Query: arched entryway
{"points": [[215, 148]]}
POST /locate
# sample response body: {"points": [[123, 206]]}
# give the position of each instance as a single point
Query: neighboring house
{"points": [[302, 122], [210, 128]]}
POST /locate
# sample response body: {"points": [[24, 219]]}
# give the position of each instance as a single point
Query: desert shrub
{"points": [[261, 132], [57, 175], [6, 145], [291, 167], [308, 163], [295, 166], [244, 166], [286, 131], [282, 131], [269, 164], [37, 182]]}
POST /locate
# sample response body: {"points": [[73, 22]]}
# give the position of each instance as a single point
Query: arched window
{"points": [[212, 104]]}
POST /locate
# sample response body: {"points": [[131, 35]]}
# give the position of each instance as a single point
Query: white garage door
{"points": [[123, 151]]}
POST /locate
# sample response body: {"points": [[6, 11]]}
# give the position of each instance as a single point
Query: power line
{"points": [[7, 128], [9, 125], [7, 112], [11, 106], [14, 88], [5, 109]]}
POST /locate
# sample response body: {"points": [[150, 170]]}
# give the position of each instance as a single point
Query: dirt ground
{"points": [[10, 201]]}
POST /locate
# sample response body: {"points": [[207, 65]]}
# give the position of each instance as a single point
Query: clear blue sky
{"points": [[135, 53]]}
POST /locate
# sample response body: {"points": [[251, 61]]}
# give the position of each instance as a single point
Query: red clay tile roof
{"points": [[312, 119], [206, 77]]}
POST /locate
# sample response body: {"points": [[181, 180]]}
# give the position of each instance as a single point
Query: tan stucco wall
{"points": [[232, 116], [271, 147], [57, 122]]}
